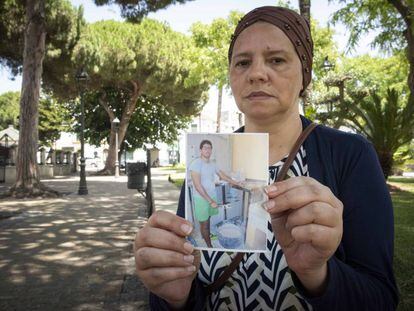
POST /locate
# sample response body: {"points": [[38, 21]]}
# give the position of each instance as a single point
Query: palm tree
{"points": [[386, 122]]}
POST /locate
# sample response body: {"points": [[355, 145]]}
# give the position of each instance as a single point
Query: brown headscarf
{"points": [[295, 27]]}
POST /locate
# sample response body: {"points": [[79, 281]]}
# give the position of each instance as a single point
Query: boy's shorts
{"points": [[203, 210]]}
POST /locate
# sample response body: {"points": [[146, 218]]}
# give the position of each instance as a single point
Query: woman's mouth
{"points": [[258, 95]]}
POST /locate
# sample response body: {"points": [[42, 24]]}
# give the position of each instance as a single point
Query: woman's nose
{"points": [[257, 72]]}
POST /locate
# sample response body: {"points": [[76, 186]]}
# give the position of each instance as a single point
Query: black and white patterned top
{"points": [[262, 281]]}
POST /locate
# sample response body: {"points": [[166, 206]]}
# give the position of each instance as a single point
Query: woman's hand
{"points": [[213, 204], [165, 262], [307, 222]]}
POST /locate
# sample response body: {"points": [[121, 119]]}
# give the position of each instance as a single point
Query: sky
{"points": [[181, 16]]}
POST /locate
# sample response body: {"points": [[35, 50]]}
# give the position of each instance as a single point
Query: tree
{"points": [[9, 109], [53, 116], [145, 59], [135, 10], [355, 75], [27, 29], [27, 173], [214, 39], [152, 122], [392, 18], [23, 30], [304, 8], [386, 122]]}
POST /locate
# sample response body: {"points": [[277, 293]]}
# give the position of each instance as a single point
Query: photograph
{"points": [[225, 191]]}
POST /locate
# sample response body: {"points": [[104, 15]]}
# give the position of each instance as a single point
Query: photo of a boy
{"points": [[202, 172]]}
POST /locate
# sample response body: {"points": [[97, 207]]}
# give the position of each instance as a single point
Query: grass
{"points": [[404, 239], [177, 181], [177, 174], [403, 202], [178, 168]]}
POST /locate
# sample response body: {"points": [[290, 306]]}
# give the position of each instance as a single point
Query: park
{"points": [[94, 93]]}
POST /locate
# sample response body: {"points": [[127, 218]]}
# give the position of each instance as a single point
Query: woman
{"points": [[330, 231]]}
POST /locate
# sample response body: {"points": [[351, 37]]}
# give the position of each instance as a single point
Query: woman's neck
{"points": [[283, 134]]}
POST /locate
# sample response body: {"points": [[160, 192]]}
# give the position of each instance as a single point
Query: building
{"points": [[61, 159]]}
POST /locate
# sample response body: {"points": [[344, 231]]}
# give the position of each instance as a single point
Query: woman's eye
{"points": [[242, 63], [276, 60]]}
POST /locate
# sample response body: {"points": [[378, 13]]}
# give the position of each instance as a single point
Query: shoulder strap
{"points": [[217, 284], [305, 133]]}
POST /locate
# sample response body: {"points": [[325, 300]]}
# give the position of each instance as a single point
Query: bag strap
{"points": [[282, 174], [217, 284]]}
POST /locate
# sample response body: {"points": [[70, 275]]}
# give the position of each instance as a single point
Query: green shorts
{"points": [[203, 210]]}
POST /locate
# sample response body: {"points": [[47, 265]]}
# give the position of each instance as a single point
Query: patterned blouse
{"points": [[262, 281]]}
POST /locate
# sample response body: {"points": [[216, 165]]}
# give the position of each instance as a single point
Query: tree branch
{"points": [[402, 8], [102, 102]]}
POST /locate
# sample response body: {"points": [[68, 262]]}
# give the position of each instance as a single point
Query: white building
{"points": [[206, 122]]}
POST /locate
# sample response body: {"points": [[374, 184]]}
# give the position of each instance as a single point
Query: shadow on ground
{"points": [[73, 252]]}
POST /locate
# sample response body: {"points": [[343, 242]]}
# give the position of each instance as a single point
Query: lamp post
{"points": [[81, 78], [115, 123], [327, 65]]}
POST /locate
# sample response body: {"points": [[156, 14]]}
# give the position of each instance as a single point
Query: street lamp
{"points": [[115, 123], [81, 78], [327, 65]]}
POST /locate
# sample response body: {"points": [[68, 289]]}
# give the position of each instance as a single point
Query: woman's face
{"points": [[265, 72]]}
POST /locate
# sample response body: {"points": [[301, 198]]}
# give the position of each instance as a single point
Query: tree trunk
{"points": [[406, 10], [386, 161], [304, 7], [27, 175], [220, 99], [127, 113]]}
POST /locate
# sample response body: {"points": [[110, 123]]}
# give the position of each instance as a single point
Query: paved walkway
{"points": [[166, 194], [75, 252]]}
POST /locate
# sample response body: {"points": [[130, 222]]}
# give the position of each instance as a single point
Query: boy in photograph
{"points": [[203, 172]]}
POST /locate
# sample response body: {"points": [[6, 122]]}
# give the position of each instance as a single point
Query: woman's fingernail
{"points": [[271, 188], [268, 205], [186, 228], [191, 268], [189, 258], [188, 247]]}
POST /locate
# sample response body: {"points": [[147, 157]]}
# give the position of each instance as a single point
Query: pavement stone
{"points": [[76, 252]]}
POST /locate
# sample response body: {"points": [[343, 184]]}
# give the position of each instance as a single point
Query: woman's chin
{"points": [[260, 113]]}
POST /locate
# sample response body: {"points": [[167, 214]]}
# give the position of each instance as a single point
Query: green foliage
{"points": [[63, 25], [146, 74], [160, 60], [135, 10], [324, 46], [214, 39], [152, 122], [361, 74], [368, 105], [377, 73], [53, 116], [9, 109], [362, 16], [387, 122]]}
